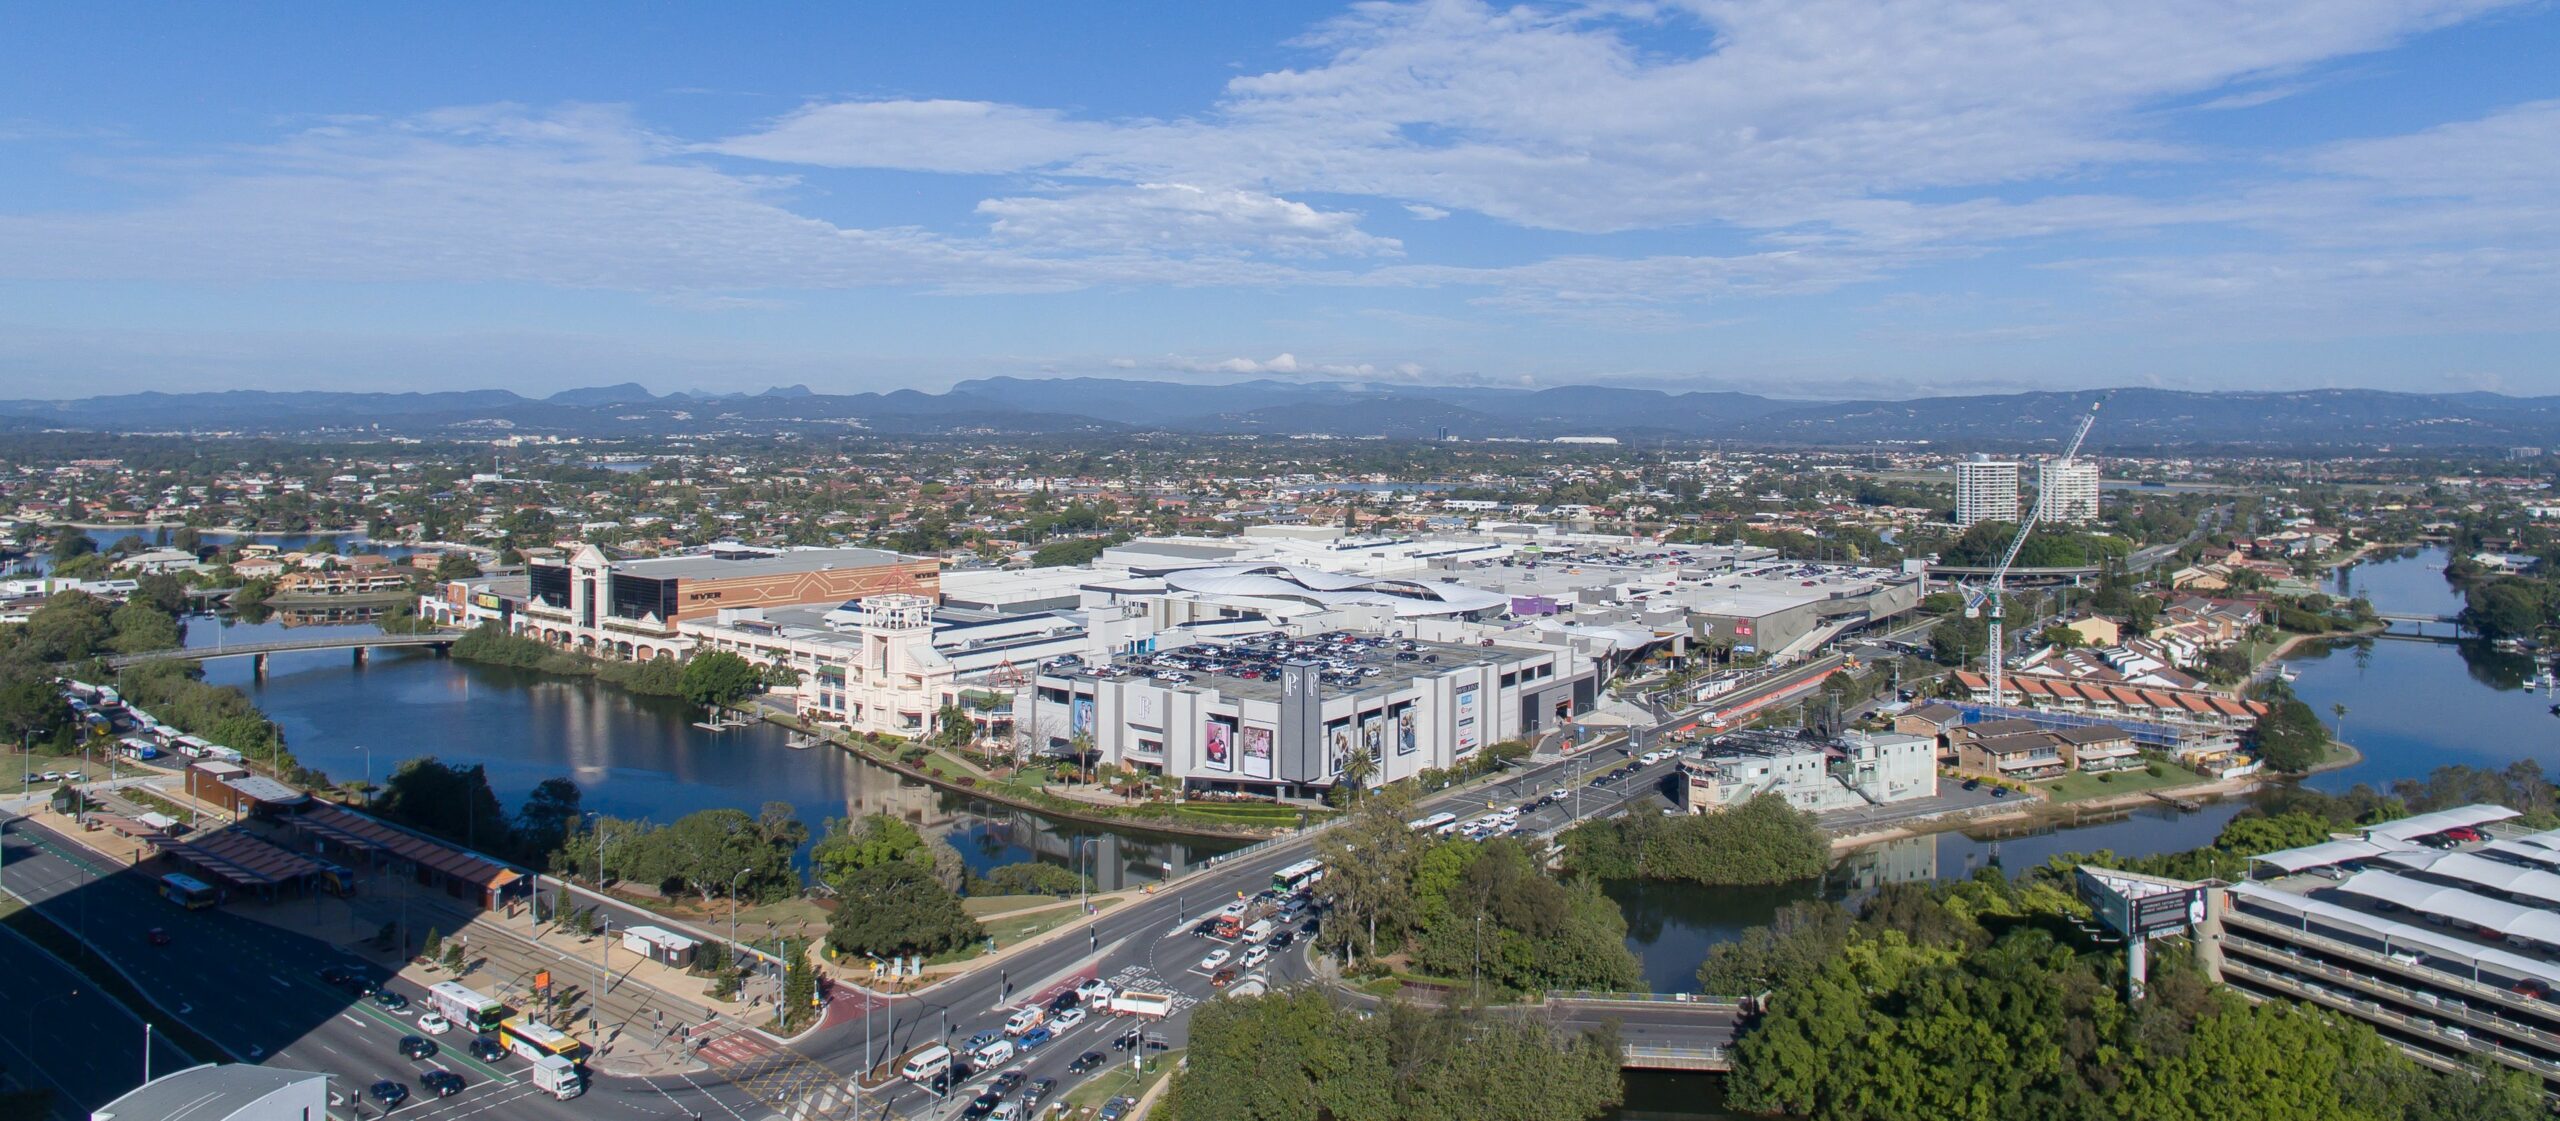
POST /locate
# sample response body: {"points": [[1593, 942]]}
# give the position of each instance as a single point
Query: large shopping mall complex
{"points": [[1262, 663]]}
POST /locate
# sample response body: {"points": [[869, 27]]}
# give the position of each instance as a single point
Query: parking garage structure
{"points": [[2424, 928]]}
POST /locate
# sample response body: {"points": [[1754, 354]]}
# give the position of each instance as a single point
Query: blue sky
{"points": [[1796, 197]]}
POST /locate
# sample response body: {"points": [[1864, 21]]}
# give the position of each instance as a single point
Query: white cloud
{"points": [[1425, 212], [1283, 364], [1181, 218]]}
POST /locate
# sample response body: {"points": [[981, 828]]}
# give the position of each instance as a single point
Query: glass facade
{"points": [[641, 597], [550, 584]]}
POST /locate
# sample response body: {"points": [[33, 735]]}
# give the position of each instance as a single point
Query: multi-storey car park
{"points": [[2441, 930]]}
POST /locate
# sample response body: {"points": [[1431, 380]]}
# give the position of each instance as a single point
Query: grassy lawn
{"points": [[797, 917], [1007, 931], [981, 906], [2077, 787], [1118, 1081]]}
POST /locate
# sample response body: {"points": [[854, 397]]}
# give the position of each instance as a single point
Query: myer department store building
{"points": [[1291, 728]]}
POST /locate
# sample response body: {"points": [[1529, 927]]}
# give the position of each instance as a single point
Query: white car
{"points": [[1073, 1016], [1215, 959], [434, 1023], [1096, 989], [1235, 908], [1256, 956]]}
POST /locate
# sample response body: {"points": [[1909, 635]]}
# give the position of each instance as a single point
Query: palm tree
{"points": [[2340, 712]]}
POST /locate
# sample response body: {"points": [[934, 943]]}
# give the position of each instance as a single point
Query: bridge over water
{"points": [[1656, 1031], [360, 644]]}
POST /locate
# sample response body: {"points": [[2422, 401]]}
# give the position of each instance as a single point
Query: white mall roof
{"points": [[2430, 824], [2480, 871], [2326, 854], [2456, 904]]}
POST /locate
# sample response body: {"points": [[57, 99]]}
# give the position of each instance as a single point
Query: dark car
{"points": [[1222, 978], [1282, 940], [441, 1083], [982, 1105], [1040, 1090], [1973, 784], [390, 1001], [487, 1050], [158, 936], [1065, 1000], [1128, 1039], [1205, 929], [387, 1092], [1117, 1108], [1087, 1062], [1999, 792], [357, 984], [335, 975], [1005, 1083], [417, 1047]]}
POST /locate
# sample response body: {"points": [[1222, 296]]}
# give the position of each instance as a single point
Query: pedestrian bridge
{"points": [[359, 643]]}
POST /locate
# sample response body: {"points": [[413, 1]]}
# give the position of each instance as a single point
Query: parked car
{"points": [[441, 1083], [417, 1047]]}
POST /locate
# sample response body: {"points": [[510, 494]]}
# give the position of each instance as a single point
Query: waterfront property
{"points": [[633, 609], [1862, 769], [890, 663]]}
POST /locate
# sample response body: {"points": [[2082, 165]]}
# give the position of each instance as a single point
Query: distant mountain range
{"points": [[2133, 419]]}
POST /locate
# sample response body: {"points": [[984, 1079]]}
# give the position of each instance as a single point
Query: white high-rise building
{"points": [[2067, 491], [1986, 490]]}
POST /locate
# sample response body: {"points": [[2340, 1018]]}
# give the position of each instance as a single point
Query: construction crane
{"points": [[1995, 593]]}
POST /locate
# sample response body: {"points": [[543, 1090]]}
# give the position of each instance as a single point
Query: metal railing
{"points": [[1646, 998]]}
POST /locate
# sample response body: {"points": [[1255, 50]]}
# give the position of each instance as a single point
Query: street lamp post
{"points": [[1084, 878], [733, 909], [368, 775]]}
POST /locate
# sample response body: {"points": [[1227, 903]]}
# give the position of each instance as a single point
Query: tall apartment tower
{"points": [[1986, 490], [2067, 491]]}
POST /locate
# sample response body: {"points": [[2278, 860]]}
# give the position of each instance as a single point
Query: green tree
{"points": [[456, 566], [454, 803], [140, 627], [894, 908], [715, 677]]}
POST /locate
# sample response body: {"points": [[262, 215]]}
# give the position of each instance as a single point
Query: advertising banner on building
{"points": [[1257, 751], [1080, 717], [1337, 738], [1466, 721], [1373, 735], [1404, 731], [1217, 745]]}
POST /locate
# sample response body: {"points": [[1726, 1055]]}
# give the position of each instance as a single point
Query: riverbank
{"points": [[2042, 812], [1065, 809]]}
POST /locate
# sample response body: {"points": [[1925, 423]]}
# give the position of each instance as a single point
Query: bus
{"points": [[188, 892], [534, 1039], [1297, 876], [467, 1008], [1433, 823]]}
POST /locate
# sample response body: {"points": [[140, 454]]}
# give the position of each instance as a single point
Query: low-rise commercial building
{"points": [[633, 609], [1287, 715], [224, 1092], [1860, 769]]}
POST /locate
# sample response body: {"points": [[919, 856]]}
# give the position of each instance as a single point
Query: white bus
{"points": [[466, 1007], [1297, 876], [1433, 823]]}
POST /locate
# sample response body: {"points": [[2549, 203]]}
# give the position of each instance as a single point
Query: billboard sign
{"points": [[1217, 745], [1080, 717], [1373, 736], [1337, 738], [1257, 751], [1466, 722], [1404, 731]]}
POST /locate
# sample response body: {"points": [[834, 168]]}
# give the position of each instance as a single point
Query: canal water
{"points": [[631, 756]]}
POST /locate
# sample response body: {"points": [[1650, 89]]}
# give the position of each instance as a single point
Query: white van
{"points": [[1256, 956], [1025, 1018], [995, 1053], [925, 1064]]}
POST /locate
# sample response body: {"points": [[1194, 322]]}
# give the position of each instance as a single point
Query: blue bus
{"points": [[188, 892]]}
